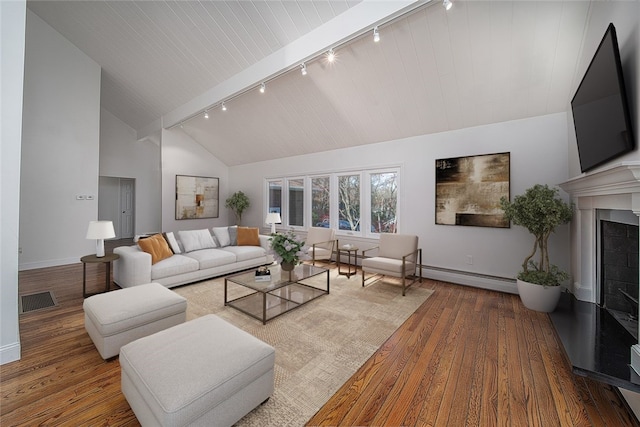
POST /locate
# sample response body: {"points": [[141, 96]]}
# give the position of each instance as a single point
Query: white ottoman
{"points": [[116, 318], [205, 372]]}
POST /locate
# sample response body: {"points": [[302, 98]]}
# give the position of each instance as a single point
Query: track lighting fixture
{"points": [[376, 35], [303, 69], [331, 55], [206, 114], [224, 107], [447, 4], [262, 88]]}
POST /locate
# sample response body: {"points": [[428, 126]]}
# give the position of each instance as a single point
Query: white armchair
{"points": [[321, 242], [398, 256]]}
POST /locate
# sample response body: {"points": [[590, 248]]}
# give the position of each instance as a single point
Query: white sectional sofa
{"points": [[194, 256]]}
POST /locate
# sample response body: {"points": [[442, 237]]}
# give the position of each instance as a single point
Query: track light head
{"points": [[262, 88], [303, 69], [376, 35], [447, 4], [224, 107], [206, 114], [331, 55]]}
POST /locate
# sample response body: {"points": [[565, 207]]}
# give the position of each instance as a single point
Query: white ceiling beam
{"points": [[358, 19]]}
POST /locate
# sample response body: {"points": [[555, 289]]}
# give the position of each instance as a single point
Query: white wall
{"points": [[181, 155], [122, 156], [12, 35], [625, 17], [60, 138], [538, 149]]}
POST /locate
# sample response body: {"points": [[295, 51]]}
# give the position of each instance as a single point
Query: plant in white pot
{"points": [[540, 210]]}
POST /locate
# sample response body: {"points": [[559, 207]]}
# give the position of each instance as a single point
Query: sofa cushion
{"points": [[248, 236], [177, 264], [222, 235], [173, 243], [194, 240], [233, 235], [244, 253], [208, 258], [157, 246]]}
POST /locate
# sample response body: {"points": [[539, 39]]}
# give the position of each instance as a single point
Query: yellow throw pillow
{"points": [[248, 236], [157, 246]]}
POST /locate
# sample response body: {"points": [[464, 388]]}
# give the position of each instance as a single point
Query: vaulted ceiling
{"points": [[165, 63]]}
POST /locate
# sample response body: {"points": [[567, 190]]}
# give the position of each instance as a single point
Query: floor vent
{"points": [[38, 301]]}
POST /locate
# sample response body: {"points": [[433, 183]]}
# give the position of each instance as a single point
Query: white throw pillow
{"points": [[192, 240], [222, 234], [173, 242]]}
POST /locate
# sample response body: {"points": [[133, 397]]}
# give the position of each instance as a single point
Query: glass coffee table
{"points": [[265, 300]]}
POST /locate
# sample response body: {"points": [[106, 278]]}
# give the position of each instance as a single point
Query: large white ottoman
{"points": [[116, 318], [205, 372]]}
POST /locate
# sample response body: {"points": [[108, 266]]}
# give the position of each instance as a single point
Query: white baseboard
{"points": [[493, 283], [9, 353], [48, 263]]}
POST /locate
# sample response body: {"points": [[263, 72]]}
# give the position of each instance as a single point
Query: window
{"points": [[356, 203], [320, 201], [384, 201], [296, 202], [275, 197], [349, 202]]}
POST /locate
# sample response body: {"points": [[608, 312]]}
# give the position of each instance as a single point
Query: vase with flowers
{"points": [[288, 249]]}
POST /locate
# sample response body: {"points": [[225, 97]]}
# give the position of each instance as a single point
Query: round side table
{"points": [[93, 259]]}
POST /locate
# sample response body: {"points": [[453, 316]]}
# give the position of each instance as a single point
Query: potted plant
{"points": [[540, 210], [288, 249], [238, 202]]}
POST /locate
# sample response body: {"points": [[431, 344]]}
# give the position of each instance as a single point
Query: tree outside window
{"points": [[384, 201], [349, 202], [320, 205]]}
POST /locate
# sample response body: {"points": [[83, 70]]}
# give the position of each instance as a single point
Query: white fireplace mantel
{"points": [[616, 187], [620, 179]]}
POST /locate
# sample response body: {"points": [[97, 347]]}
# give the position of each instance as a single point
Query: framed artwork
{"points": [[197, 197], [468, 190]]}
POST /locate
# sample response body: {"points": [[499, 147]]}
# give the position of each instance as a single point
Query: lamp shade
{"points": [[273, 218], [100, 230]]}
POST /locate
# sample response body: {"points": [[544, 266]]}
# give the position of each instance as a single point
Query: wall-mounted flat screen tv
{"points": [[600, 109]]}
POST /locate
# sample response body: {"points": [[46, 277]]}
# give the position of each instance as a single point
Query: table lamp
{"points": [[273, 218], [100, 230]]}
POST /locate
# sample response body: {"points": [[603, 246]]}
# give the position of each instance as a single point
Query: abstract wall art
{"points": [[468, 190], [197, 197]]}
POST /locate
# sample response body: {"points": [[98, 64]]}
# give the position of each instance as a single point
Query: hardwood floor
{"points": [[466, 357]]}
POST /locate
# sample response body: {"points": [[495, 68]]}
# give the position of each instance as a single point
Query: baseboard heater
{"points": [[477, 280]]}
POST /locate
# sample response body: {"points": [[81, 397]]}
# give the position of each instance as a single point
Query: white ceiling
{"points": [[481, 62]]}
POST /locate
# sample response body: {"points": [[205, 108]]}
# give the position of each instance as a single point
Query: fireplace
{"points": [[598, 196], [618, 268]]}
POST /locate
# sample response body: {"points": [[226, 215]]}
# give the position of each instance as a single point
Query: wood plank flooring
{"points": [[466, 357]]}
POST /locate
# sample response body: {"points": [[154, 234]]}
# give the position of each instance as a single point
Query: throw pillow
{"points": [[173, 243], [156, 246], [222, 234], [233, 235], [193, 240], [248, 236]]}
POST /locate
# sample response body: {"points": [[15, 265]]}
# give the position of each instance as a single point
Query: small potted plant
{"points": [[238, 202], [540, 210], [288, 249]]}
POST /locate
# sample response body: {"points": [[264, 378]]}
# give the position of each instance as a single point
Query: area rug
{"points": [[318, 346]]}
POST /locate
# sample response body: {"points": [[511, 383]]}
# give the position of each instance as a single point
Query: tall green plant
{"points": [[540, 210], [238, 202]]}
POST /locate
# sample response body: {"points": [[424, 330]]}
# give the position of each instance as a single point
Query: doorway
{"points": [[116, 203]]}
